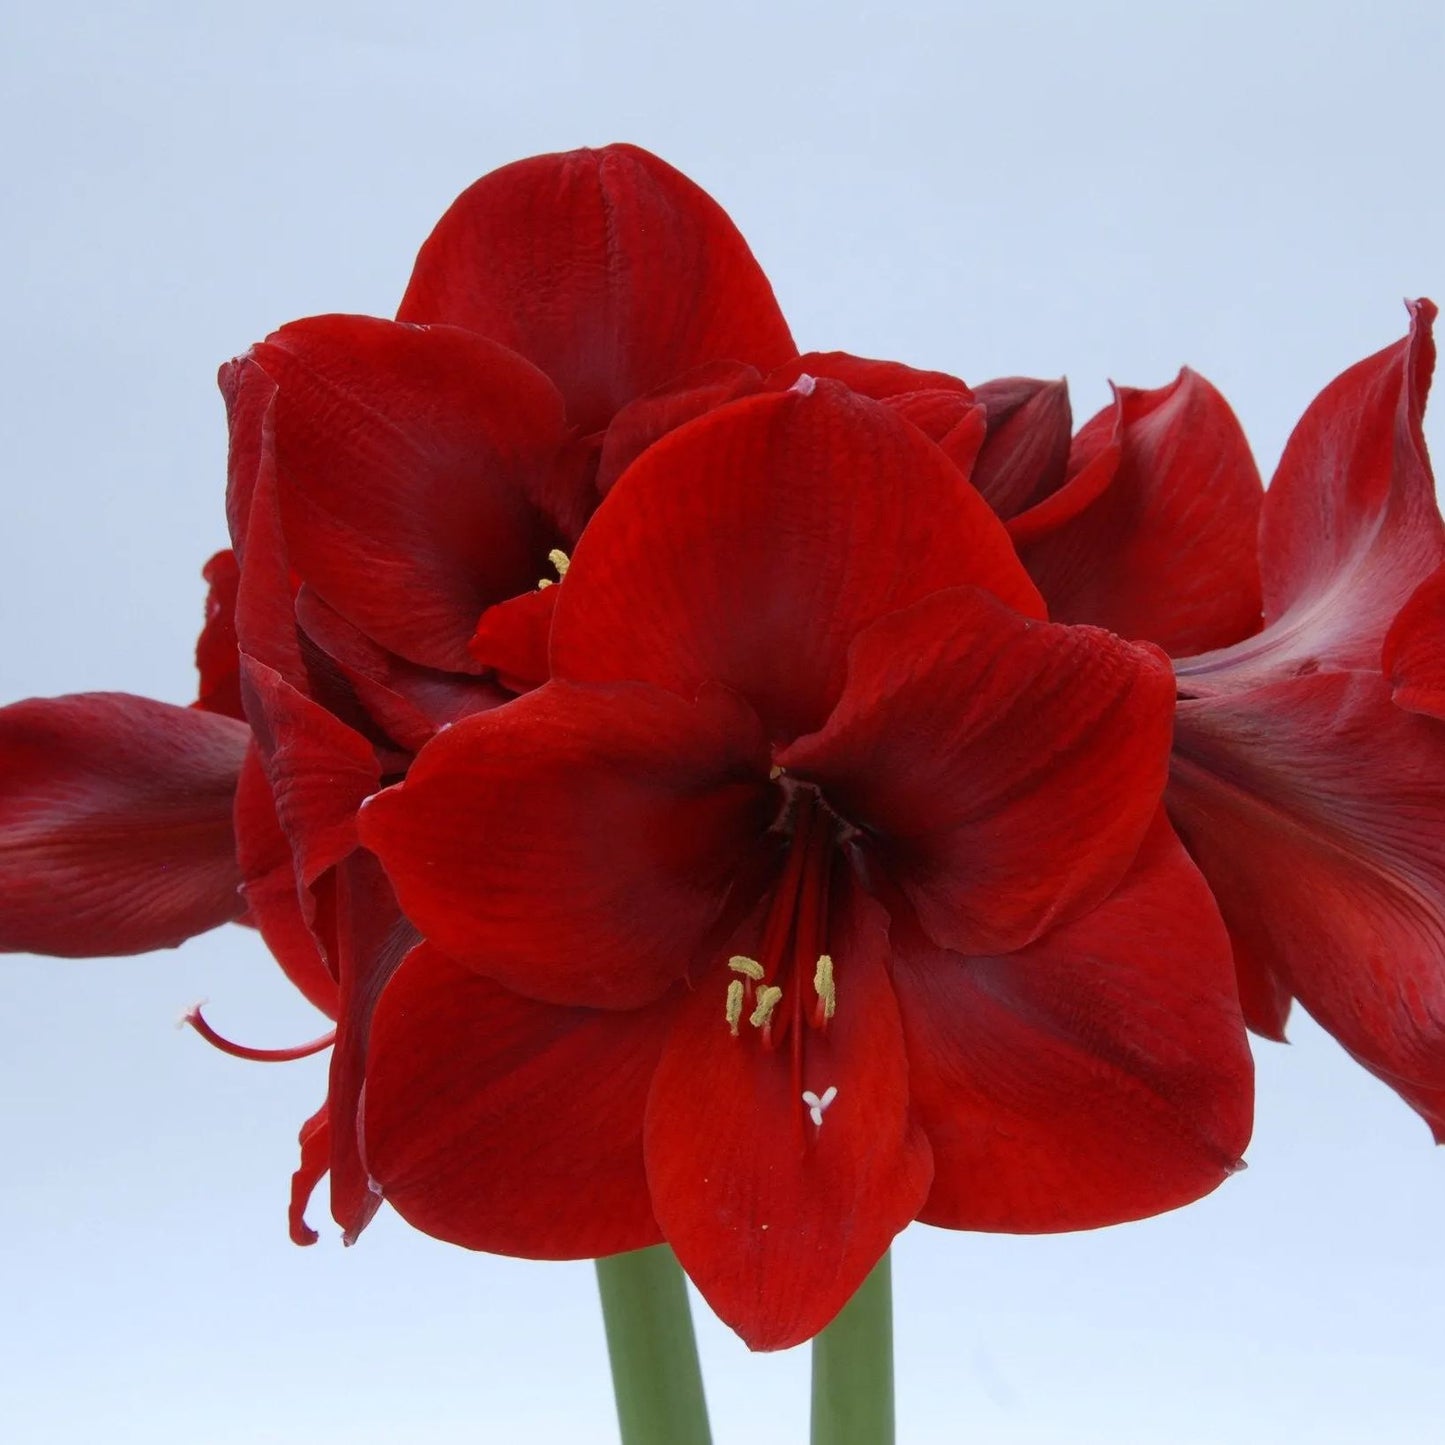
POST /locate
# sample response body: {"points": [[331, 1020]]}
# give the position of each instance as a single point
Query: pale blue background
{"points": [[1102, 190]]}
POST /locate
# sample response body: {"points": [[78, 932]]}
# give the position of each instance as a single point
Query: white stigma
{"points": [[818, 1103], [803, 385]]}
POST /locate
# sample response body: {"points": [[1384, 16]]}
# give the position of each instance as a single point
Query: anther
{"points": [[741, 963], [768, 998], [561, 561], [734, 1007], [818, 1103], [825, 988]]}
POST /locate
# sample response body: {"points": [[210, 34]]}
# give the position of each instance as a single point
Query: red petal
{"points": [[1025, 454], [778, 1222], [115, 824], [372, 940], [315, 1141], [1350, 524], [407, 461], [1167, 552], [503, 1124], [271, 888], [216, 656], [1100, 1075], [1415, 649], [319, 769], [579, 844], [1004, 771], [750, 547], [651, 417], [1316, 810], [512, 637], [607, 268]]}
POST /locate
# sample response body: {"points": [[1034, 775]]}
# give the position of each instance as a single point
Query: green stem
{"points": [[853, 1368], [655, 1374]]}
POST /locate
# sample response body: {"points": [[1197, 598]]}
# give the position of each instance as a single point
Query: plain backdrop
{"points": [[1102, 190]]}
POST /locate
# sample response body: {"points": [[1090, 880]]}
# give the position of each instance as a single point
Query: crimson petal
{"points": [[1167, 552], [1004, 770], [1415, 649], [606, 268], [579, 843], [1099, 1075], [217, 661], [775, 1220], [1315, 807], [1025, 452], [115, 824], [408, 463], [751, 546], [504, 1124]]}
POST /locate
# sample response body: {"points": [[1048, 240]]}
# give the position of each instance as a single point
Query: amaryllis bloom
{"points": [[822, 886], [1312, 798]]}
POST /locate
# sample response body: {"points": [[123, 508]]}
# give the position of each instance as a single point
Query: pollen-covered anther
{"points": [[734, 1006], [750, 967], [561, 561], [818, 1103], [826, 990], [769, 996]]}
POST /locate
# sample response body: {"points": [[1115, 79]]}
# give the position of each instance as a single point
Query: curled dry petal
{"points": [[115, 824]]}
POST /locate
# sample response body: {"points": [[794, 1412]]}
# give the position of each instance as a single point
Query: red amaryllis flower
{"points": [[823, 886], [1313, 801]]}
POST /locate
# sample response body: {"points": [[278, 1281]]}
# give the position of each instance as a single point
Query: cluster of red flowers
{"points": [[754, 800]]}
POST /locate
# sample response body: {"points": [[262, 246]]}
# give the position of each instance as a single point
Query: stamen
{"points": [[818, 1103], [734, 1007], [774, 773], [825, 988], [561, 561], [769, 997], [197, 1021], [741, 963]]}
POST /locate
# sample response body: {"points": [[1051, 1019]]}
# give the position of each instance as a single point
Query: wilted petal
{"points": [[750, 547], [115, 824], [1003, 770], [579, 844], [777, 1220], [606, 268], [1099, 1075], [504, 1124]]}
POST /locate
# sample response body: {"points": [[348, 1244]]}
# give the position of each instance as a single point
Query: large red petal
{"points": [[503, 1124], [1003, 771], [1099, 1075], [750, 547], [1167, 552], [1415, 649], [1350, 524], [115, 824], [580, 843], [1316, 810], [777, 1221], [607, 268], [408, 462]]}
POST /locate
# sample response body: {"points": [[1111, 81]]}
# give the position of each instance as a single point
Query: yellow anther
{"points": [[823, 983], [735, 1005], [768, 998], [560, 560], [741, 963], [774, 773]]}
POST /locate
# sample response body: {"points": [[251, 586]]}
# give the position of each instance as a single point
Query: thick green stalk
{"points": [[655, 1374], [853, 1368]]}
